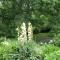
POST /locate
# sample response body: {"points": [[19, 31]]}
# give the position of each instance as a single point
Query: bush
{"points": [[53, 56], [57, 39], [8, 51], [12, 51], [30, 51], [48, 48]]}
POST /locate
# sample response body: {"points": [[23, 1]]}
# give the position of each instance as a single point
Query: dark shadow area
{"points": [[42, 30]]}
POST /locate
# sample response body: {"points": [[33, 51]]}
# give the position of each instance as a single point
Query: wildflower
{"points": [[30, 33], [5, 43], [22, 38], [51, 41]]}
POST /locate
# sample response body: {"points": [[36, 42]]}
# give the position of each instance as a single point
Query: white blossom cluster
{"points": [[22, 38], [22, 35], [30, 33]]}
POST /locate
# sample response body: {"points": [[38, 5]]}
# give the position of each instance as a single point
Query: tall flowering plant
{"points": [[22, 33], [30, 31], [22, 38]]}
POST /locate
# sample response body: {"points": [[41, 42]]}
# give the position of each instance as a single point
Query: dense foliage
{"points": [[43, 14], [45, 18], [30, 51]]}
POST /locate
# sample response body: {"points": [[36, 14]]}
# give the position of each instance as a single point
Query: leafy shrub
{"points": [[29, 51], [48, 48], [53, 56], [57, 39], [8, 51]]}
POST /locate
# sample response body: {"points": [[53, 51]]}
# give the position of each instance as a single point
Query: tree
{"points": [[41, 13]]}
